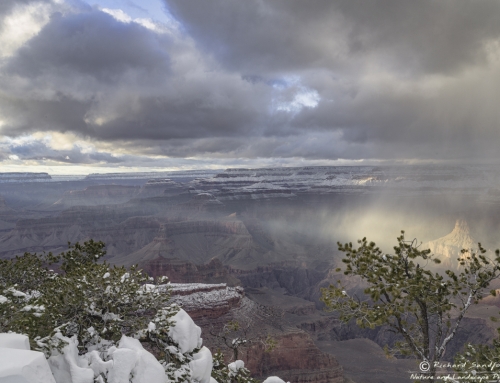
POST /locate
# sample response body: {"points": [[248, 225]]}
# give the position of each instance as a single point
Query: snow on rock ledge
{"points": [[206, 300]]}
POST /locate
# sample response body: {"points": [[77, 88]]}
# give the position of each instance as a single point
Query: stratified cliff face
{"points": [[295, 357], [206, 301], [448, 248]]}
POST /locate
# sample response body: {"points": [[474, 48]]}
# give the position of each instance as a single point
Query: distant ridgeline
{"points": [[141, 175], [25, 177]]}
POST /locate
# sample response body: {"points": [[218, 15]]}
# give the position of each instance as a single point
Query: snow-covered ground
{"points": [[18, 364], [128, 362]]}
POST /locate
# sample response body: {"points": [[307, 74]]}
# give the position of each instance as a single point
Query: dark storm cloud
{"points": [[94, 75], [286, 35], [91, 43], [62, 113], [312, 79]]}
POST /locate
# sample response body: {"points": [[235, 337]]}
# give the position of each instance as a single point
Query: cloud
{"points": [[7, 6], [32, 149], [237, 81], [92, 74], [287, 35], [91, 44], [20, 21]]}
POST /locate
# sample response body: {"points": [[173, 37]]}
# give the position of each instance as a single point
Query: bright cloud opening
{"points": [[20, 26], [305, 98]]}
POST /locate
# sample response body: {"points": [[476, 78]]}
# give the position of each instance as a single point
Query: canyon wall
{"points": [[294, 358]]}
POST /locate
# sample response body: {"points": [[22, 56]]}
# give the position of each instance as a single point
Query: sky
{"points": [[128, 85]]}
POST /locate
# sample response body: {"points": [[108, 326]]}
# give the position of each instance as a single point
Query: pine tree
{"points": [[90, 300], [424, 307], [235, 372]]}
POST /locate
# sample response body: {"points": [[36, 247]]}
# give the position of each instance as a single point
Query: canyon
{"points": [[271, 236]]}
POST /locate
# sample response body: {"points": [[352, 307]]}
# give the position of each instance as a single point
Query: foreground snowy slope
{"points": [[128, 362]]}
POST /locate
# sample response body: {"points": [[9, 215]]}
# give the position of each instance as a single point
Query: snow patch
{"points": [[68, 366], [274, 379], [185, 332], [201, 365], [15, 341], [24, 366], [130, 359], [235, 366]]}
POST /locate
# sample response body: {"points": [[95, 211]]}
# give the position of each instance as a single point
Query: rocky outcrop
{"points": [[206, 300], [295, 357], [448, 248]]}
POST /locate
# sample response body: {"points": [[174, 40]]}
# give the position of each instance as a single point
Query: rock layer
{"points": [[295, 357]]}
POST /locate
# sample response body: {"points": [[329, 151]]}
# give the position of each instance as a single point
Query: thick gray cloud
{"points": [[287, 35], [385, 79], [106, 79], [93, 44]]}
